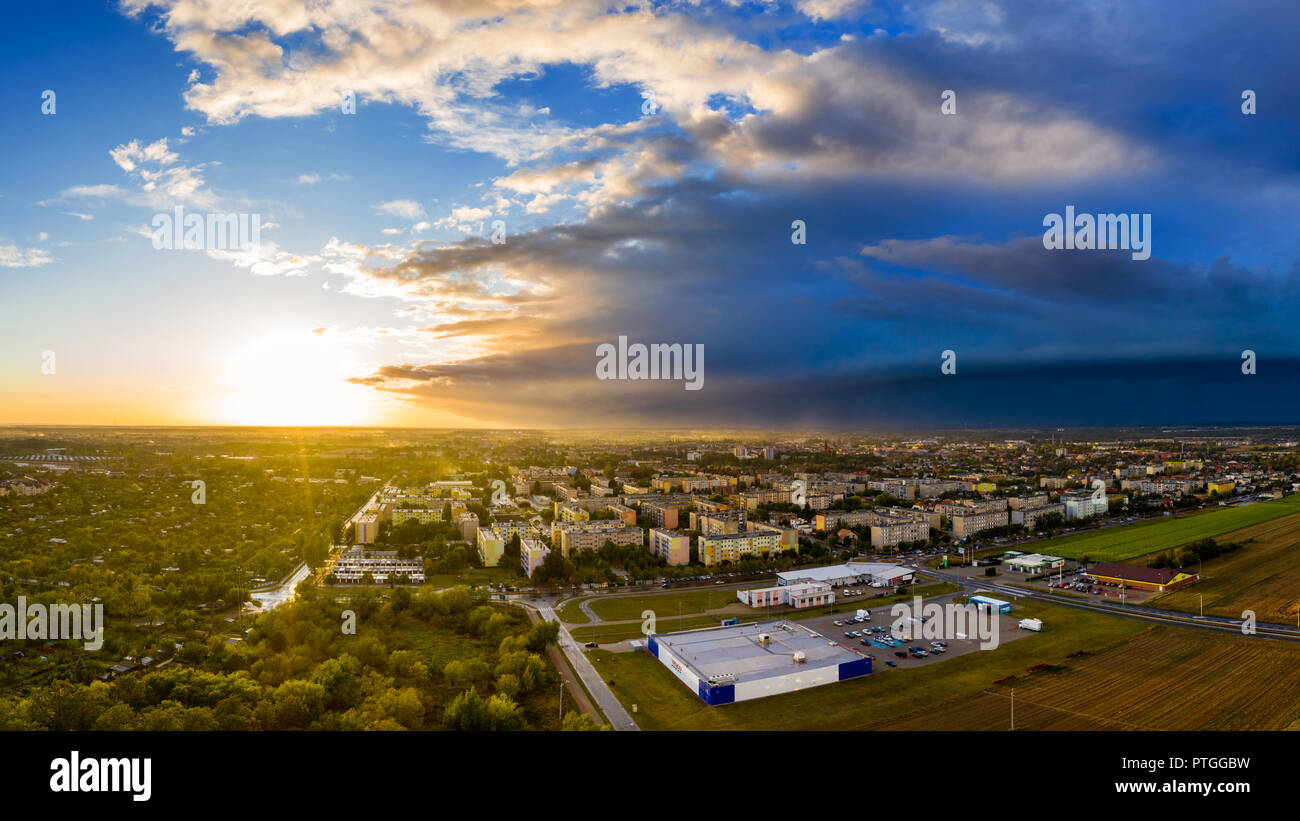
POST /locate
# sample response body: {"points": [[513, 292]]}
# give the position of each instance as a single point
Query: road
{"points": [[1217, 624], [277, 596], [618, 717]]}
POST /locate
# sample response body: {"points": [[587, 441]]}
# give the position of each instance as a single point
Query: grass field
{"points": [[474, 576], [1168, 678], [571, 613], [668, 620], [617, 608], [1124, 542], [1263, 575], [663, 703]]}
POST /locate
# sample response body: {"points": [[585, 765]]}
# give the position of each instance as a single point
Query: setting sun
{"points": [[294, 378]]}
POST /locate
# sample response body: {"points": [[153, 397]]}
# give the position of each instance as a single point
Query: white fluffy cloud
{"points": [[405, 209], [11, 256]]}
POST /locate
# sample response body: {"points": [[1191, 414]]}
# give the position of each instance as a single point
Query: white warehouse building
{"points": [[723, 665], [876, 574]]}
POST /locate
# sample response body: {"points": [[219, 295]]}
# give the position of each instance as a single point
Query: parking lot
{"points": [[1008, 630], [1075, 582]]}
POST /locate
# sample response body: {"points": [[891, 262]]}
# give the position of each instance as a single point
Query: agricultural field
{"points": [[663, 703], [1125, 542], [1263, 575], [1167, 678]]}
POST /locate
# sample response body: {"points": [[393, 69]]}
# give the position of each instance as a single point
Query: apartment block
{"points": [[670, 545], [730, 547], [532, 552], [967, 524], [573, 536], [890, 531]]}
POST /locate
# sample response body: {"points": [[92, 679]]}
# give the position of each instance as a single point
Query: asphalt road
{"points": [[618, 717], [1215, 623]]}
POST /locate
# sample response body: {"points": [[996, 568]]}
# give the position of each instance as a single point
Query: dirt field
{"points": [[1167, 678], [1264, 576]]}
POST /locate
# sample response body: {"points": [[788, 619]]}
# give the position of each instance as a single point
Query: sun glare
{"points": [[295, 378]]}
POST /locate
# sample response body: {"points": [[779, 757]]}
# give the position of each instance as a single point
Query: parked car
{"points": [[890, 663]]}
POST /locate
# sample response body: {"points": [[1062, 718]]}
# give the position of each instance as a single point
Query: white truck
{"points": [[865, 615], [1032, 624]]}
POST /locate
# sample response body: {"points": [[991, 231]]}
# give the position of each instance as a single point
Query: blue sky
{"points": [[376, 297]]}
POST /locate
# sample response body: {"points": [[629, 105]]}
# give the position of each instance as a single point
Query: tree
{"points": [[467, 711], [581, 722]]}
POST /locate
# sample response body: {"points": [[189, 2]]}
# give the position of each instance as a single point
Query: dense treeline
{"points": [[422, 660], [1190, 554]]}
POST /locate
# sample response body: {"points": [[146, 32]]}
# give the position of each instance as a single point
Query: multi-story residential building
{"points": [[664, 514], [569, 512], [720, 521], [1031, 501], [367, 528], [350, 566], [1162, 486], [821, 501], [889, 531], [491, 545], [547, 477], [567, 493], [930, 517], [774, 496], [625, 514], [788, 536], [898, 488], [973, 520], [732, 546], [835, 519], [423, 515], [693, 484], [1083, 506], [670, 545], [1030, 517], [934, 488], [468, 524], [532, 552], [574, 536]]}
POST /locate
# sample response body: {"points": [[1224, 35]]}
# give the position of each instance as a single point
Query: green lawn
{"points": [[571, 613], [873, 701], [475, 576], [668, 622], [1124, 542], [618, 608]]}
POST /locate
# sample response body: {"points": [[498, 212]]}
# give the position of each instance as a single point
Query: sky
{"points": [[517, 183]]}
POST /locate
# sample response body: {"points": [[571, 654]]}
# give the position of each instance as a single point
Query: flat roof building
{"points": [[875, 573], [997, 605], [723, 665], [1158, 579], [798, 596], [1034, 563]]}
